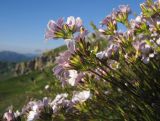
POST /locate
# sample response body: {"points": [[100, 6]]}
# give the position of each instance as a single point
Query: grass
{"points": [[17, 91]]}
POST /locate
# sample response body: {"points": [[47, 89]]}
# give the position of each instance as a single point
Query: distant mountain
{"points": [[9, 56]]}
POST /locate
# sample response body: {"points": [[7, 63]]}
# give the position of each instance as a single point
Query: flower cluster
{"points": [[121, 15], [63, 30], [40, 109], [61, 71], [150, 8], [119, 57]]}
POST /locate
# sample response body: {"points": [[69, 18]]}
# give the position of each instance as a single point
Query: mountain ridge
{"points": [[11, 56]]}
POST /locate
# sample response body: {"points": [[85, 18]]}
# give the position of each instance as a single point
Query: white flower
{"points": [[35, 108], [155, 34], [126, 84], [145, 60], [133, 23], [158, 41], [38, 106], [59, 99], [158, 22], [81, 96], [101, 55], [151, 55], [73, 75], [107, 92], [119, 90], [54, 108], [17, 114], [33, 115], [126, 56], [138, 19], [71, 21], [46, 87], [101, 30]]}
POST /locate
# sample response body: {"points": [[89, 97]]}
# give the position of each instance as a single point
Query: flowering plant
{"points": [[116, 73]]}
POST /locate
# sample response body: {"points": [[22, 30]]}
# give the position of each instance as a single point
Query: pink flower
{"points": [[109, 19], [9, 116], [83, 33], [124, 9], [74, 22], [79, 22], [121, 15], [59, 29], [63, 62], [54, 29], [112, 50], [70, 45], [49, 34], [71, 21]]}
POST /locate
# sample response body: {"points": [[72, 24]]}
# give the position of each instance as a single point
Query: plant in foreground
{"points": [[117, 71]]}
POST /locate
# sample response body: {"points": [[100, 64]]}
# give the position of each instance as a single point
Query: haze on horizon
{"points": [[23, 22]]}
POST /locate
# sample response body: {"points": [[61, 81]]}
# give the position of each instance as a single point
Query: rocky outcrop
{"points": [[39, 63]]}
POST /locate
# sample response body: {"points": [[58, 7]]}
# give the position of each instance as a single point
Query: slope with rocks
{"points": [[39, 63]]}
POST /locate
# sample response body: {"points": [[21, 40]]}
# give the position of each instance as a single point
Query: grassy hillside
{"points": [[19, 90], [6, 70]]}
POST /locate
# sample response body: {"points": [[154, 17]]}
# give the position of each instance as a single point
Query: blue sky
{"points": [[23, 22]]}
